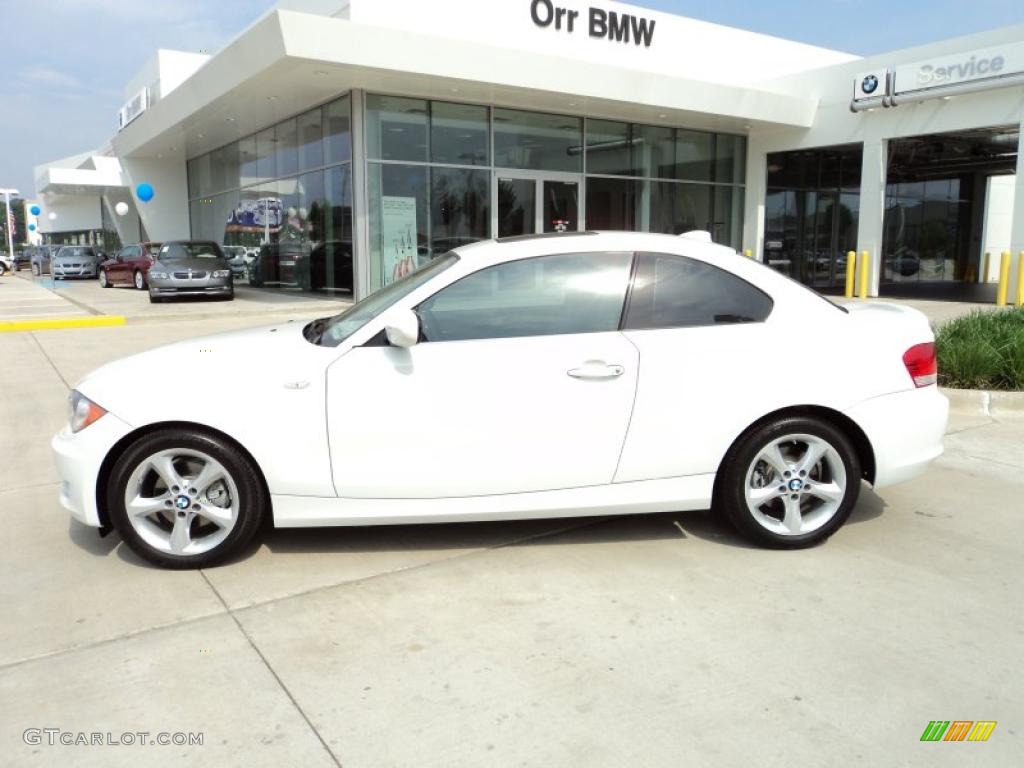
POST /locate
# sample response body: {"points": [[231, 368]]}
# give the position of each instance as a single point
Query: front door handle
{"points": [[596, 369]]}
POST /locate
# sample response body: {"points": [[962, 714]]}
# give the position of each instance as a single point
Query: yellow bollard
{"points": [[851, 273], [865, 260], [1004, 279], [983, 277], [748, 253], [1020, 279]]}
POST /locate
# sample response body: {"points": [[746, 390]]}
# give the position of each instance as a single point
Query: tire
{"points": [[154, 300], [104, 279], [3, 269], [784, 499], [193, 526], [139, 280]]}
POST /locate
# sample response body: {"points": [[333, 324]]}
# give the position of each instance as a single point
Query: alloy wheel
{"points": [[139, 282], [103, 278], [795, 484], [181, 502]]}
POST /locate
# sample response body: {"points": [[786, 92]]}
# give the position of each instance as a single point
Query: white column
{"points": [[1017, 230], [872, 206], [360, 200], [166, 216], [754, 197]]}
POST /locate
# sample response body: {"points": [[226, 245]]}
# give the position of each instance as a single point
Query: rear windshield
{"points": [[173, 251]]}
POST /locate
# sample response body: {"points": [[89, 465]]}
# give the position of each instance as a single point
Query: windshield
{"points": [[174, 251], [67, 252], [338, 328]]}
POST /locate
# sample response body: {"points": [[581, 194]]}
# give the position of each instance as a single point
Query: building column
{"points": [[870, 222], [167, 216], [755, 191], [360, 200], [1017, 228]]}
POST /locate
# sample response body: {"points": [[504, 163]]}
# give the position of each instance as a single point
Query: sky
{"points": [[67, 61]]}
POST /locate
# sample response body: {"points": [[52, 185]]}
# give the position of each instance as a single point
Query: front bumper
{"points": [[206, 286], [905, 430], [78, 457], [86, 270]]}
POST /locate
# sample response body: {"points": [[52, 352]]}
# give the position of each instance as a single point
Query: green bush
{"points": [[982, 350]]}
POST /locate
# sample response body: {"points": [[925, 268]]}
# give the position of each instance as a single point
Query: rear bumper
{"points": [[905, 430], [78, 457]]}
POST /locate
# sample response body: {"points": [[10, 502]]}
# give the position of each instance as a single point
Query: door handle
{"points": [[596, 369]]}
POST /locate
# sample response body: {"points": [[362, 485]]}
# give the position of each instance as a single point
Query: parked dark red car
{"points": [[130, 266]]}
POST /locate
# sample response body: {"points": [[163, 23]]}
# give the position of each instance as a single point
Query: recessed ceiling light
{"points": [[455, 90], [229, 119], [320, 73], [572, 103], [159, 156], [271, 98], [662, 115], [200, 136]]}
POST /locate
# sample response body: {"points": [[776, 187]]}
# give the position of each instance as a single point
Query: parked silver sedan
{"points": [[190, 268], [75, 261]]}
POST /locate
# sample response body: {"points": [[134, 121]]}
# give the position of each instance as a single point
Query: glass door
{"points": [[531, 203]]}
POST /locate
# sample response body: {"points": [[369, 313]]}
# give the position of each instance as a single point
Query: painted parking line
{"points": [[57, 323]]}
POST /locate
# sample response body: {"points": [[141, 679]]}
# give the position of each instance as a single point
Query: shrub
{"points": [[982, 350]]}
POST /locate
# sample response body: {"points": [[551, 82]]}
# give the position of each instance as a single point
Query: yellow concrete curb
{"points": [[57, 323]]}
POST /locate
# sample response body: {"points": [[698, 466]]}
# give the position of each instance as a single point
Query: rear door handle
{"points": [[596, 369]]}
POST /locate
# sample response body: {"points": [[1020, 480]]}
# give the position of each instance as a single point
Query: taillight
{"points": [[921, 364]]}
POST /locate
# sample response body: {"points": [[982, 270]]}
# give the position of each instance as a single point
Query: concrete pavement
{"points": [[648, 640]]}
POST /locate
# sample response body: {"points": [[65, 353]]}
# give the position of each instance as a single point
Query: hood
{"points": [[196, 265], [77, 257], [195, 379]]}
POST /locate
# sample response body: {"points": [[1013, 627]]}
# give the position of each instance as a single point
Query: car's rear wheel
{"points": [[185, 500], [104, 280], [139, 280], [789, 483]]}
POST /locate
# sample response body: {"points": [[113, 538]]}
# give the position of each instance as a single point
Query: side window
{"points": [[542, 296], [676, 292]]}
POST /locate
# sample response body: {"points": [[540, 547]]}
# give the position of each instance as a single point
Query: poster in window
{"points": [[398, 228]]}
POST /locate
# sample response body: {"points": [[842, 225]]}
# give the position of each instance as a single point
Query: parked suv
{"points": [[76, 261], [129, 266], [39, 258]]}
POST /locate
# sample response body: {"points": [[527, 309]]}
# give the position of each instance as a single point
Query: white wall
{"points": [[998, 226], [74, 213], [165, 217]]}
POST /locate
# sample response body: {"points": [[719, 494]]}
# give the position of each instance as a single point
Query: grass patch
{"points": [[982, 350]]}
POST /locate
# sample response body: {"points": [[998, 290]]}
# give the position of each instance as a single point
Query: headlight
{"points": [[83, 411], [158, 275], [221, 272]]}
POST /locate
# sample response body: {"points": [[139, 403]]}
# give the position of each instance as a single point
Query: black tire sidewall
{"points": [[253, 503], [730, 496]]}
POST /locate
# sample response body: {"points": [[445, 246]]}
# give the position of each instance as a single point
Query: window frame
{"points": [[631, 273], [649, 257]]}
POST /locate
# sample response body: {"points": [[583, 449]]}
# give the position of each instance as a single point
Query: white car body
{"points": [[495, 429]]}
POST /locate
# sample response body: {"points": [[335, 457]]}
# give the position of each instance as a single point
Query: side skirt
{"points": [[678, 494]]}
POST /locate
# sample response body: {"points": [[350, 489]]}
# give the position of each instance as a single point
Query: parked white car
{"points": [[547, 376]]}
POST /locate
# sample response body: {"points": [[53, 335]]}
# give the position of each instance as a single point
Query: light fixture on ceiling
{"points": [[572, 103], [200, 136], [229, 119], [320, 73], [159, 156], [662, 115], [455, 90], [271, 98]]}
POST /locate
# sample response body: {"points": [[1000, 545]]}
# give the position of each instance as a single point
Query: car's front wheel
{"points": [[104, 280], [789, 483], [185, 500]]}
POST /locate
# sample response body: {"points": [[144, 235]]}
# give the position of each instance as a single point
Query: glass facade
{"points": [[442, 174], [285, 194], [811, 212]]}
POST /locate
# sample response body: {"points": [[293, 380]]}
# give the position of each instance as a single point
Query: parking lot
{"points": [[648, 640]]}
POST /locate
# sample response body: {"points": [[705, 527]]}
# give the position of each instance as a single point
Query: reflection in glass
{"points": [[561, 206], [613, 203], [286, 136], [396, 128], [460, 212], [458, 134], [517, 207], [338, 131], [266, 158], [537, 141], [654, 151], [730, 158], [310, 137], [609, 148], [694, 155], [247, 161], [398, 221]]}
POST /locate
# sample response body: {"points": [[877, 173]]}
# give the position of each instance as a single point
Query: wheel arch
{"points": [[118, 449], [838, 419]]}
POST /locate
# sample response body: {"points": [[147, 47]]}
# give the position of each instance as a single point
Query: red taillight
{"points": [[921, 364]]}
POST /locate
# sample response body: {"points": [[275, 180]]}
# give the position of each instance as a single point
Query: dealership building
{"points": [[353, 141]]}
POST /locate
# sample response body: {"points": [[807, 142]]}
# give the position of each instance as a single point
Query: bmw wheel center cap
{"points": [[796, 484]]}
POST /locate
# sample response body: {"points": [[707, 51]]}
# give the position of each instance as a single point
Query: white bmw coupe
{"points": [[545, 376]]}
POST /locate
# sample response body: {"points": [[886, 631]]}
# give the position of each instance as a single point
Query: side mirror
{"points": [[403, 328]]}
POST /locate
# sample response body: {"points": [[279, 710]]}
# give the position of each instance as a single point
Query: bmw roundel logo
{"points": [[869, 84]]}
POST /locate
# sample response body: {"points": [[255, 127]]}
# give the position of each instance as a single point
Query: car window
{"points": [[542, 296], [672, 291], [174, 251]]}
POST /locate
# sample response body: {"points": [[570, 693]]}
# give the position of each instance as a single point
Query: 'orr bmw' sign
{"points": [[617, 27]]}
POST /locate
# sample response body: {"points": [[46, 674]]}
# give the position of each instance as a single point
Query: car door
{"points": [[125, 264], [521, 382], [710, 362]]}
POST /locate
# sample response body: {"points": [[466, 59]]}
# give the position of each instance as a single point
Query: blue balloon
{"points": [[31, 227], [144, 192], [36, 210]]}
